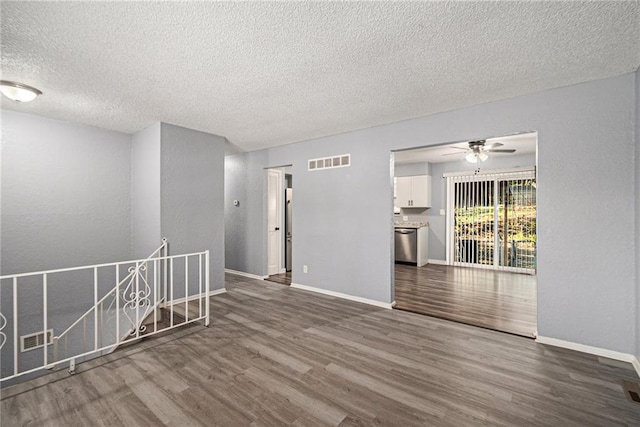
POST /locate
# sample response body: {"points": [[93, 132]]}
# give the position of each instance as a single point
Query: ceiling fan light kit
{"points": [[473, 157], [479, 150]]}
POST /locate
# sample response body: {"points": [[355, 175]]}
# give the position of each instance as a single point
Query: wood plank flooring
{"points": [[277, 356], [491, 299], [283, 279]]}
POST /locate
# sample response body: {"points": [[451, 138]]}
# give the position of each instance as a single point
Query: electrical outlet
{"points": [[442, 212], [305, 269], [405, 218]]}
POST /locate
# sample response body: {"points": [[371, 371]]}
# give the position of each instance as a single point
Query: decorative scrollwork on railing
{"points": [[3, 323], [135, 301], [136, 296]]}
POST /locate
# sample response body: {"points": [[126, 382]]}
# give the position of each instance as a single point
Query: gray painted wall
{"points": [[145, 191], [235, 188], [65, 194], [65, 203], [586, 285], [192, 194], [341, 247], [411, 169], [244, 239]]}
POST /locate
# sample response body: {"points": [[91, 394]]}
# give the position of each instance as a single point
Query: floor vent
{"points": [[340, 161], [632, 391], [36, 340]]}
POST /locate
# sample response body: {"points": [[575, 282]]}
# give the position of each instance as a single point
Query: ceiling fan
{"points": [[478, 150]]}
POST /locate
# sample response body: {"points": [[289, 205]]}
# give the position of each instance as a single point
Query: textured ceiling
{"points": [[266, 74]]}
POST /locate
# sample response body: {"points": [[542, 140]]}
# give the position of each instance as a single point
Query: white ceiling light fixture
{"points": [[474, 156], [18, 92]]}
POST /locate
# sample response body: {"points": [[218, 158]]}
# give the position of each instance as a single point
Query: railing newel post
{"points": [[136, 299], [207, 286], [15, 326], [95, 308], [186, 289], [171, 291], [117, 297], [45, 320], [165, 267], [200, 285]]}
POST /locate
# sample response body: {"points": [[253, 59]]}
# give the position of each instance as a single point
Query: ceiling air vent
{"points": [[340, 161], [36, 340]]}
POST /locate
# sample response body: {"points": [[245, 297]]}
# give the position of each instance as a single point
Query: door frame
{"points": [[275, 195]]}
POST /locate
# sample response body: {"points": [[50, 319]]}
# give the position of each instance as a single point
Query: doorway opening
{"points": [[279, 224], [474, 230]]}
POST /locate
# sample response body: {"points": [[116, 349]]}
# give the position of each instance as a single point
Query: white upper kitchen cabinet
{"points": [[413, 191], [403, 191]]}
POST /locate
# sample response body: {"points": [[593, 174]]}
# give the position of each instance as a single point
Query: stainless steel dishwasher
{"points": [[406, 243]]}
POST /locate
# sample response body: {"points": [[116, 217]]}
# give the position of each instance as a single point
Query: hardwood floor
{"points": [[277, 356], [283, 279], [491, 299]]}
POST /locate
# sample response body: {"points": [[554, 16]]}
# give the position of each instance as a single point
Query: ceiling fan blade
{"points": [[493, 145], [453, 154], [501, 150]]}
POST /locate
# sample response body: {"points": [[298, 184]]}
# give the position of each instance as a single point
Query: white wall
{"points": [[586, 285]]}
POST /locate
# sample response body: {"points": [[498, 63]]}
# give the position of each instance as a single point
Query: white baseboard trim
{"points": [[636, 364], [437, 261], [341, 295], [597, 351], [195, 297], [242, 273]]}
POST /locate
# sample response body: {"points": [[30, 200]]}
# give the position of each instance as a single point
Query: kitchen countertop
{"points": [[410, 224]]}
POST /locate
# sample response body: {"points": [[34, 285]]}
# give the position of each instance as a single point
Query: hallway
{"points": [[283, 278]]}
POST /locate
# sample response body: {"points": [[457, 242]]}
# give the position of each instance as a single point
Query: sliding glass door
{"points": [[491, 220]]}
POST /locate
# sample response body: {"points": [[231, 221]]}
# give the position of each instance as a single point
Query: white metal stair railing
{"points": [[134, 292], [158, 282]]}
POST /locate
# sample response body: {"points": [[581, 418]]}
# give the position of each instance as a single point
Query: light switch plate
{"points": [[405, 218], [442, 212]]}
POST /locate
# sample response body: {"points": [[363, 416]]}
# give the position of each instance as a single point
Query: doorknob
{"points": [[277, 228]]}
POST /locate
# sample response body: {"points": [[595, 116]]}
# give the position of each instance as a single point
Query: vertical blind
{"points": [[491, 219]]}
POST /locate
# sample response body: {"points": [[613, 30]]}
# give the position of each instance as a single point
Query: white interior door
{"points": [[274, 220]]}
